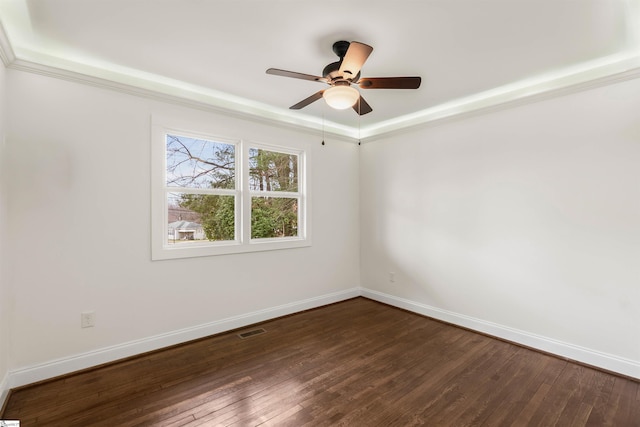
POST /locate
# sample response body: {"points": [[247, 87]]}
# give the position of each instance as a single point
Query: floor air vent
{"points": [[251, 333]]}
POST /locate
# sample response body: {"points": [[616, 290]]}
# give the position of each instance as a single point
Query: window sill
{"points": [[189, 250]]}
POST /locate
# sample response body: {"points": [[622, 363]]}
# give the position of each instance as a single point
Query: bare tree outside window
{"points": [[201, 174], [193, 166], [197, 163]]}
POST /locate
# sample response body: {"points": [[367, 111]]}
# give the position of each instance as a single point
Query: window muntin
{"points": [[220, 196]]}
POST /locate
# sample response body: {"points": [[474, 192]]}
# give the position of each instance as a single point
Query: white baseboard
{"points": [[54, 368], [630, 368], [4, 390]]}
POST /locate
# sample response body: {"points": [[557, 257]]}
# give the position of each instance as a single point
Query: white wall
{"points": [[80, 227], [524, 220], [524, 223], [4, 283]]}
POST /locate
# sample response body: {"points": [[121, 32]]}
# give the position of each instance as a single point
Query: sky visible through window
{"points": [[199, 163], [200, 173]]}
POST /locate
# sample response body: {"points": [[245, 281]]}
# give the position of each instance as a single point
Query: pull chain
{"points": [[359, 116], [323, 110]]}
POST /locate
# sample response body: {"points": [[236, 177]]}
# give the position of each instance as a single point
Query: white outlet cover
{"points": [[87, 319]]}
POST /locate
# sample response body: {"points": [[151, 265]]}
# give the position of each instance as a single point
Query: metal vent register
{"points": [[251, 333]]}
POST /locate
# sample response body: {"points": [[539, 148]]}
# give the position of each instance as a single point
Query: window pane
{"points": [[200, 217], [197, 163], [272, 171], [274, 217]]}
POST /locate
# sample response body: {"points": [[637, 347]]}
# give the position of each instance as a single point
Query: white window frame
{"points": [[162, 250]]}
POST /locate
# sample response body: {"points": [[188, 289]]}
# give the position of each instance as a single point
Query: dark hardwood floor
{"points": [[355, 363]]}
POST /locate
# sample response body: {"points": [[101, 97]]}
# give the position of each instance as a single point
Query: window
{"points": [[273, 182], [214, 195]]}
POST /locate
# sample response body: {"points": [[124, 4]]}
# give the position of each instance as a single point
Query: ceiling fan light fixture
{"points": [[340, 75], [341, 97]]}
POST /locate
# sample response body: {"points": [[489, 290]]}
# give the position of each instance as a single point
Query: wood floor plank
{"points": [[577, 383], [355, 363], [435, 392], [598, 396], [620, 408], [535, 370]]}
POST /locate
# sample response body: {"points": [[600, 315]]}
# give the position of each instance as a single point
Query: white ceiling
{"points": [[469, 53]]}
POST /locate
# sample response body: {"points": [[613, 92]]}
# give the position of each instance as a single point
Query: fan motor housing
{"points": [[331, 73]]}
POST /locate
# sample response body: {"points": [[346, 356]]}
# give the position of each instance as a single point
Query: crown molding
{"points": [[6, 51], [174, 92], [601, 72]]}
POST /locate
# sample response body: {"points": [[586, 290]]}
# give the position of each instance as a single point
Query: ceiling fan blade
{"points": [[390, 82], [353, 60], [295, 75], [362, 107], [307, 101]]}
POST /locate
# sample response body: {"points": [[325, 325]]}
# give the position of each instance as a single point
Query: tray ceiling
{"points": [[470, 54]]}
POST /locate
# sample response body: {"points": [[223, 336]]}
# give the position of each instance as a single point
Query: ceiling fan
{"points": [[340, 75]]}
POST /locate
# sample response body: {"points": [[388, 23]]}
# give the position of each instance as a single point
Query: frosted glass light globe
{"points": [[341, 97]]}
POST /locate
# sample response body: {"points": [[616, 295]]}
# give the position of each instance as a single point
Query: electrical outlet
{"points": [[392, 276], [87, 319]]}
